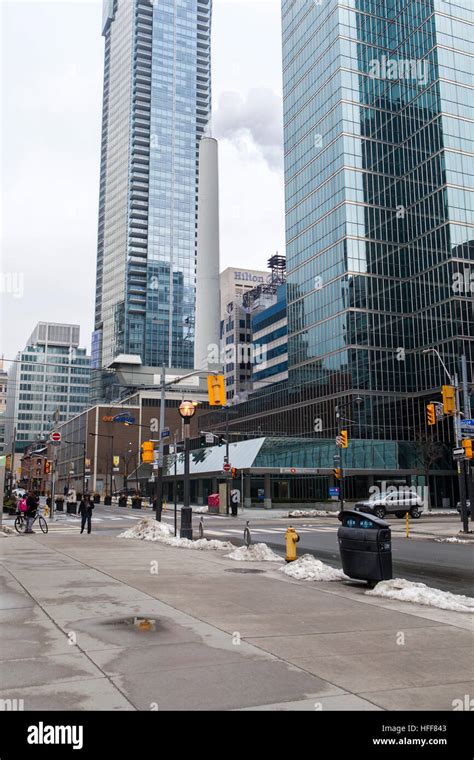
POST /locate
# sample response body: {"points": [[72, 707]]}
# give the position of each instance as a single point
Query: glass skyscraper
{"points": [[378, 130], [156, 105], [378, 142]]}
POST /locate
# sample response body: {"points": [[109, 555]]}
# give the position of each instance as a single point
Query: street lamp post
{"points": [[454, 381], [186, 410], [338, 408]]}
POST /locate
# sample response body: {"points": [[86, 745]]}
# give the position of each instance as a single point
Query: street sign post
{"points": [[209, 437], [227, 467], [165, 433], [459, 454], [55, 437]]}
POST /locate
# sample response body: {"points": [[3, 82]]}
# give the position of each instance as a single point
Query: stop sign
{"points": [[227, 467], [56, 436]]}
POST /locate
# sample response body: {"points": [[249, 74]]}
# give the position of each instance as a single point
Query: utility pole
{"points": [[159, 473], [467, 415], [462, 464], [3, 461], [227, 453]]}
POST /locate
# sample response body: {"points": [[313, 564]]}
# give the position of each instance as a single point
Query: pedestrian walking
{"points": [[85, 510], [31, 509]]}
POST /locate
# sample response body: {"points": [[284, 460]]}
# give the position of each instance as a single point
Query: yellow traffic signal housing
{"points": [[431, 414], [147, 451], [216, 390], [345, 439], [467, 446], [449, 399], [47, 467], [337, 473], [234, 472]]}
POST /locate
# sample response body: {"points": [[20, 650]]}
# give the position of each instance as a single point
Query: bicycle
{"points": [[247, 536], [21, 521]]}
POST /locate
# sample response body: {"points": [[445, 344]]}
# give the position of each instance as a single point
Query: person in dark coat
{"points": [[85, 510], [31, 509]]}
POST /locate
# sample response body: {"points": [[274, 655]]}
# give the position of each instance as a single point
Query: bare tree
{"points": [[428, 453]]}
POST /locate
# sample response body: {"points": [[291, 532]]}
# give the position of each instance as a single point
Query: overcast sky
{"points": [[52, 68]]}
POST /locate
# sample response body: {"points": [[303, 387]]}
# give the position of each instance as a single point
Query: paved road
{"points": [[449, 567]]}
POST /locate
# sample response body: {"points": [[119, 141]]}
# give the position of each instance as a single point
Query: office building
{"points": [[378, 125], [156, 104], [47, 384], [270, 342]]}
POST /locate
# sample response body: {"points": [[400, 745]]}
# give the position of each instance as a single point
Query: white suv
{"points": [[397, 502]]}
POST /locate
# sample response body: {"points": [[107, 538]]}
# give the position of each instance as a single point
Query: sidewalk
{"points": [[218, 639]]}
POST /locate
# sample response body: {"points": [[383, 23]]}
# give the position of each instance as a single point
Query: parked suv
{"points": [[396, 502]]}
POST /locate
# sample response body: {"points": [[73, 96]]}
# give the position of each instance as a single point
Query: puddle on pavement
{"points": [[142, 624], [244, 570]]}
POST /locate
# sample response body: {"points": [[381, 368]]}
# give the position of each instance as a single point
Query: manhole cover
{"points": [[244, 570]]}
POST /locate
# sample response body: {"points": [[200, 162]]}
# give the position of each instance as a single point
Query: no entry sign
{"points": [[56, 436], [227, 467]]}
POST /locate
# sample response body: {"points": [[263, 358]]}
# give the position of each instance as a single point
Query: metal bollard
{"points": [[186, 530]]}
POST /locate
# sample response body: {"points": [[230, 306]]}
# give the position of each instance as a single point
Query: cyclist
{"points": [[31, 509]]}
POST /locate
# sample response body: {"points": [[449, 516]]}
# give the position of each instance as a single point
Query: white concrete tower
{"points": [[207, 330]]}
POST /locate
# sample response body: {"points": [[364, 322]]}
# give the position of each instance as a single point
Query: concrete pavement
{"points": [[217, 639]]}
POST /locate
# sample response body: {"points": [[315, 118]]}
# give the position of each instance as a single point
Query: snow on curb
{"points": [[452, 540], [432, 512], [310, 513], [419, 593], [148, 529], [200, 510], [5, 531], [308, 568], [254, 553]]}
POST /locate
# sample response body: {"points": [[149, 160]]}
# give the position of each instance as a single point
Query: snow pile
{"points": [[149, 529], [452, 540], [200, 510], [6, 531], [308, 568], [310, 513], [419, 593], [254, 553], [201, 543]]}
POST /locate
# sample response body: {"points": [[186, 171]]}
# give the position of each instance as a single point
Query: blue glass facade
{"points": [[155, 110], [379, 180], [379, 187]]}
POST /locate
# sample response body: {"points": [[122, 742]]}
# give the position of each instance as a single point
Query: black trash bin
{"points": [[365, 545]]}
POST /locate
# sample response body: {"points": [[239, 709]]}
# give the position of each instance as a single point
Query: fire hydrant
{"points": [[292, 539]]}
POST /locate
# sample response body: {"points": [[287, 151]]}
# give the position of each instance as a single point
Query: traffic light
{"points": [[216, 390], [449, 399], [202, 441], [345, 439], [467, 446], [431, 414], [221, 440], [337, 473], [234, 472], [147, 451], [47, 467]]}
